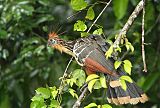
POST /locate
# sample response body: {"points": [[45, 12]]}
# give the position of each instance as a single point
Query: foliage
{"points": [[27, 64]]}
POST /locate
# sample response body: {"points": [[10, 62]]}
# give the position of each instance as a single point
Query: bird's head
{"points": [[55, 42], [53, 39]]}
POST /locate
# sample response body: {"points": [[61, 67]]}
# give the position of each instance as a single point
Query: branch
{"points": [[62, 79], [129, 22], [99, 16], [143, 51], [81, 97]]}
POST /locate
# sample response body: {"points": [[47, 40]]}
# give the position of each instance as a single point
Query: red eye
{"points": [[52, 41]]}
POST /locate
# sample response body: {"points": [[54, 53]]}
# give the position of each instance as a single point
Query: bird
{"points": [[89, 52]]}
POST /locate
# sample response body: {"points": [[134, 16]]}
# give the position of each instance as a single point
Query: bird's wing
{"points": [[90, 54]]}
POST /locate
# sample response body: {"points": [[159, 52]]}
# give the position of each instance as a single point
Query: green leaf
{"points": [[150, 81], [39, 49], [78, 4], [54, 104], [123, 84], [117, 64], [73, 93], [3, 34], [37, 98], [5, 53], [79, 76], [150, 15], [98, 31], [84, 34], [120, 8], [38, 104], [127, 66], [109, 41], [129, 46], [127, 62], [127, 69], [118, 49], [109, 52], [91, 84], [92, 76], [104, 106], [90, 14], [44, 2], [126, 78], [80, 26], [44, 92], [103, 81], [97, 85], [44, 19], [54, 92], [91, 105]]}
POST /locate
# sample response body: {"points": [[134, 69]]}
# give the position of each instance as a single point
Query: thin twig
{"points": [[129, 22], [99, 16], [81, 97], [73, 15], [62, 79], [143, 51]]}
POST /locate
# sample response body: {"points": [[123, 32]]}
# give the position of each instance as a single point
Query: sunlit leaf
{"points": [[92, 76], [80, 26], [98, 31], [117, 64], [126, 78], [73, 93], [104, 106], [54, 104], [103, 81], [54, 92], [84, 34], [123, 84], [127, 62], [90, 14], [78, 4], [44, 92], [38, 104], [79, 76], [127, 66], [129, 46], [109, 52], [118, 49], [91, 84], [37, 98], [97, 85], [91, 105]]}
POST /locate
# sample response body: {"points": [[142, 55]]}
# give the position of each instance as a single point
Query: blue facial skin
{"points": [[52, 42]]}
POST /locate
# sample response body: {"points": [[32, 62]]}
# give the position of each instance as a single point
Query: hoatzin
{"points": [[89, 53]]}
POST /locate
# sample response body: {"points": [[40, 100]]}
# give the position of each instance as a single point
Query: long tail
{"points": [[117, 95]]}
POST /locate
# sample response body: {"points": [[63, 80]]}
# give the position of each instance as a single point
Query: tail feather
{"points": [[113, 97], [117, 95]]}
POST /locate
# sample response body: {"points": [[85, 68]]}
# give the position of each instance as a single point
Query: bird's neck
{"points": [[66, 46]]}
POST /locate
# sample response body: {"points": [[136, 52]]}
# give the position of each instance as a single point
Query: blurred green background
{"points": [[26, 62]]}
